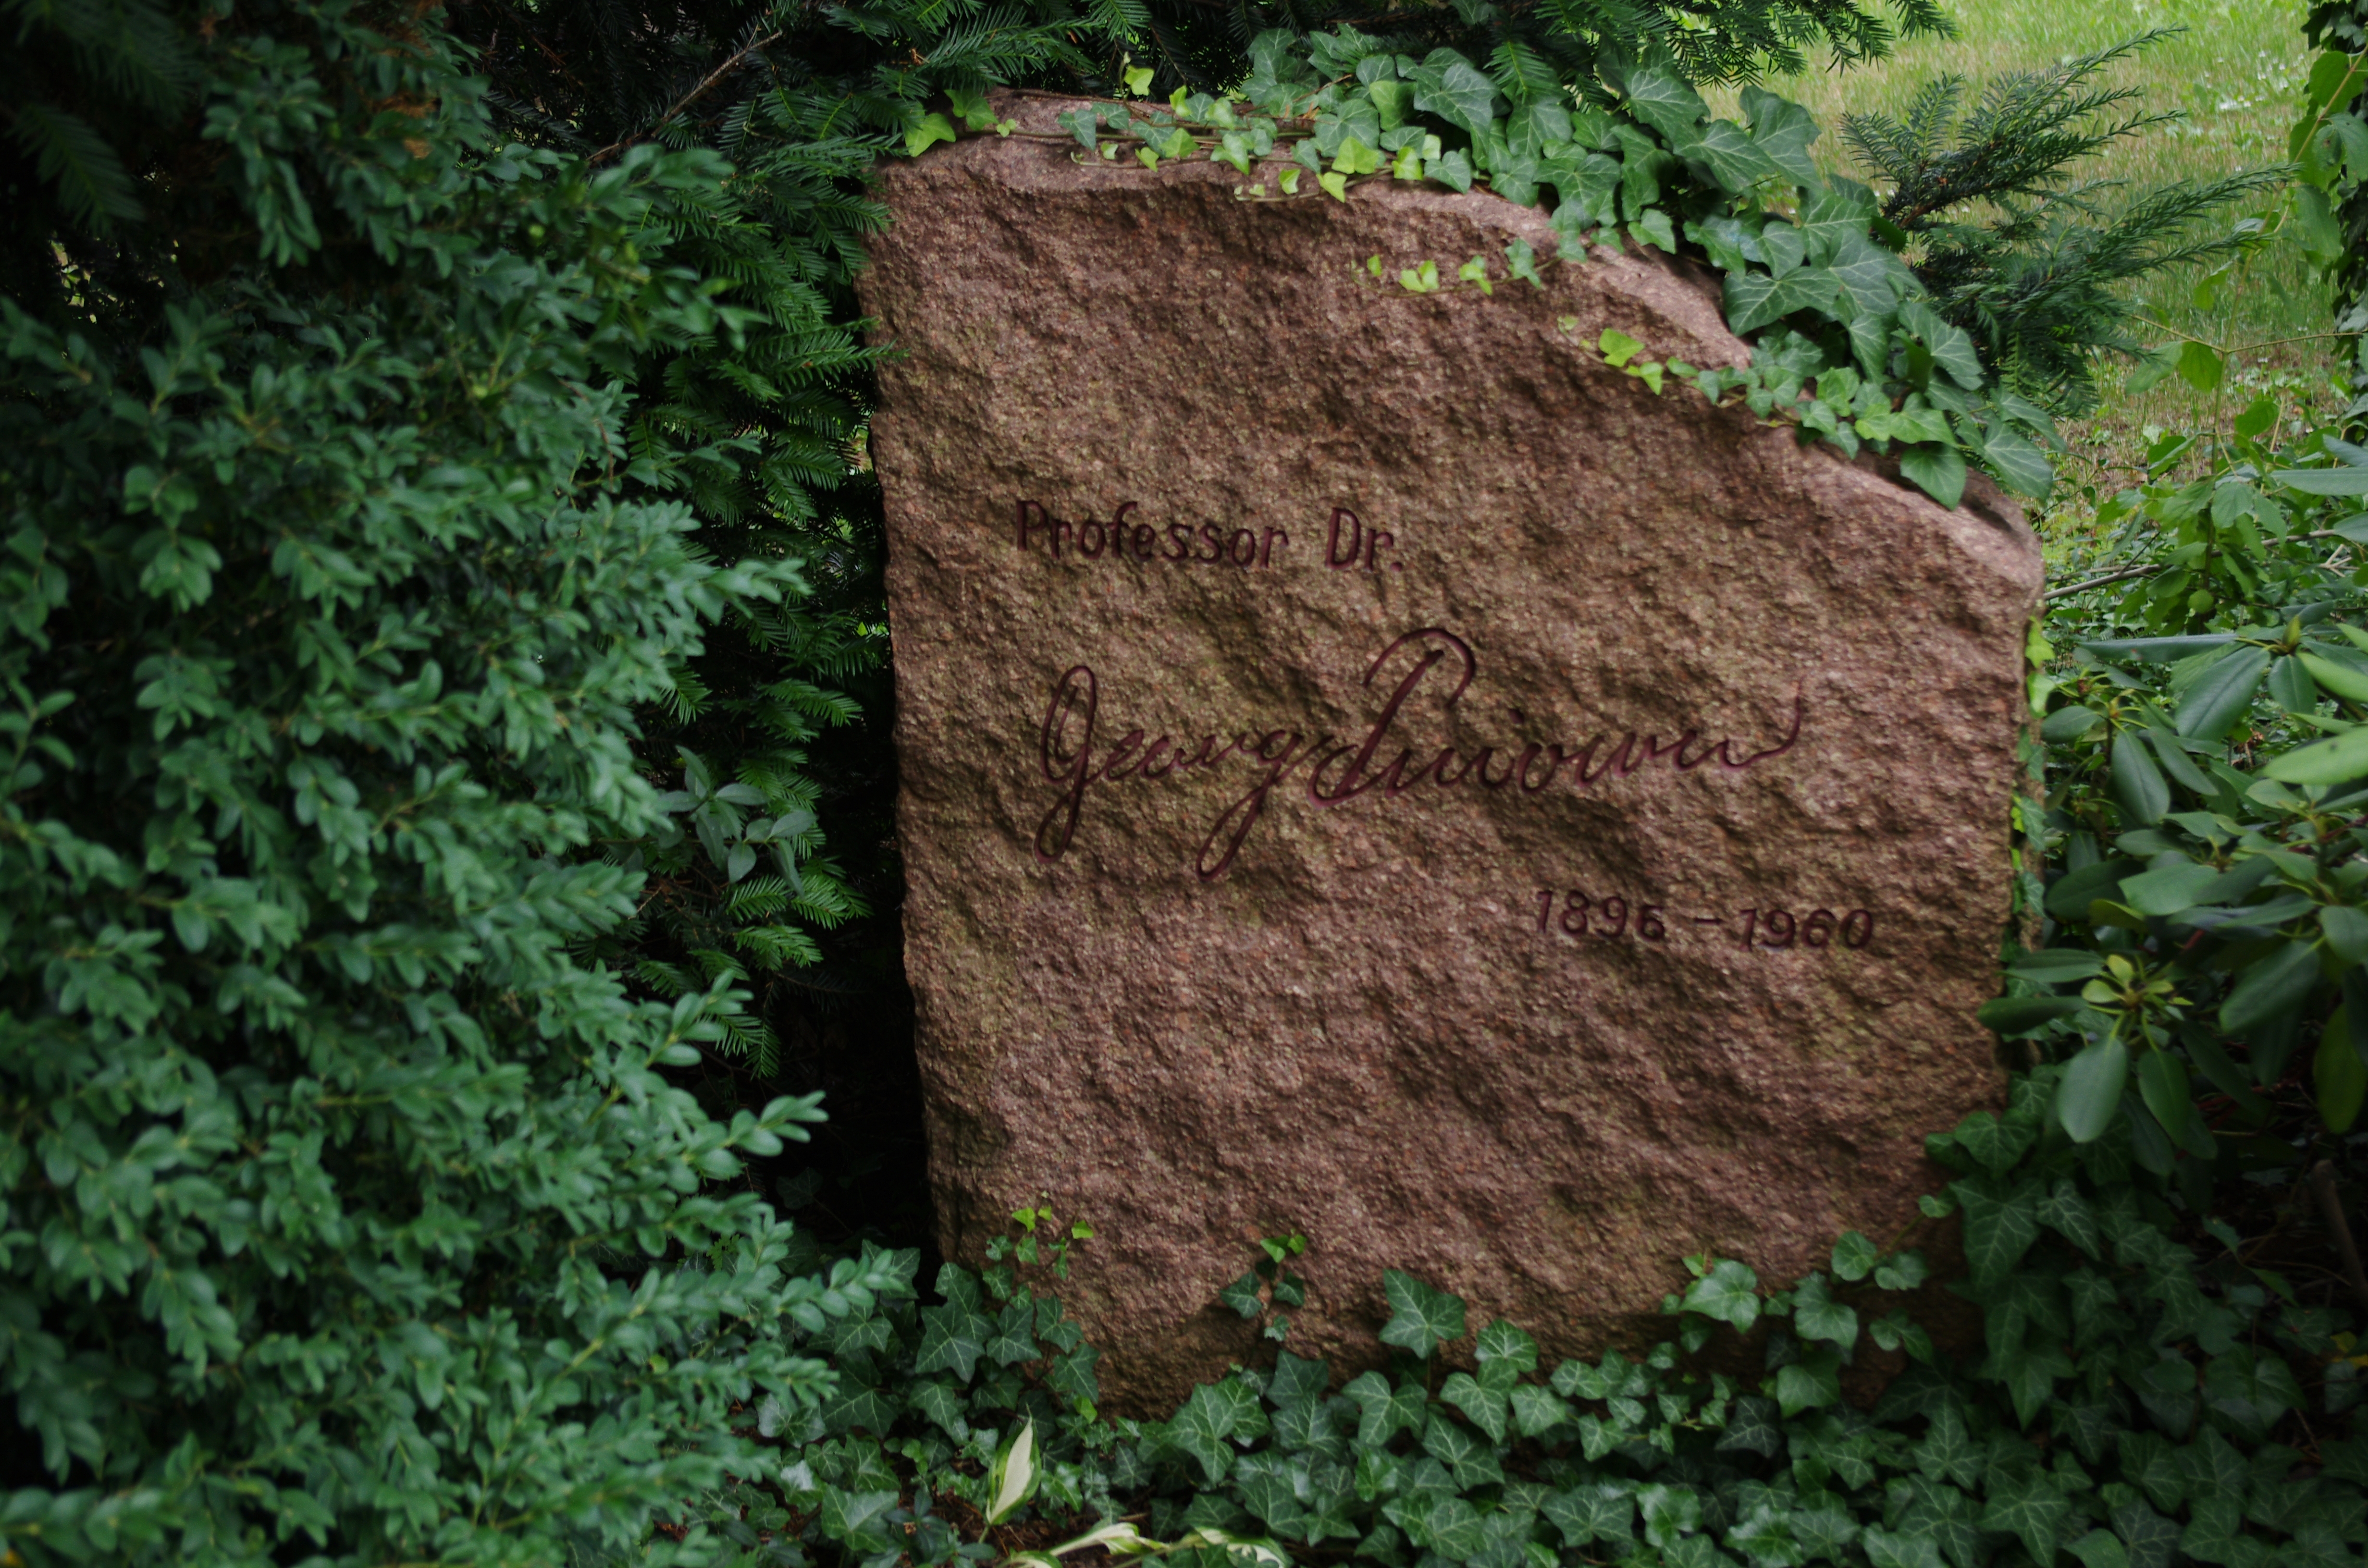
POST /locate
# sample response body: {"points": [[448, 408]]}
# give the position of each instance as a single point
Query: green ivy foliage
{"points": [[2126, 1410], [1850, 341], [350, 1214]]}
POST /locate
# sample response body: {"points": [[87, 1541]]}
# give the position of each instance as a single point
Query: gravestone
{"points": [[1371, 768]]}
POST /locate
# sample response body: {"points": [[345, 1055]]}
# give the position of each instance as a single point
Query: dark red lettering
{"points": [[1266, 546], [1375, 543], [1024, 526], [1180, 535], [1243, 540], [1333, 556], [1092, 553], [1143, 538], [1072, 699], [1212, 536]]}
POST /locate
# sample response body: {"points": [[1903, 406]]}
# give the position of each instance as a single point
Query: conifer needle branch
{"points": [[692, 97]]}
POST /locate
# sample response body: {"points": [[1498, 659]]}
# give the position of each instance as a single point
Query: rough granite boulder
{"points": [[1372, 769]]}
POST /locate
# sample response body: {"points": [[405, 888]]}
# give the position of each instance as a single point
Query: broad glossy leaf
{"points": [[2162, 1083], [2337, 1075], [2269, 987], [2091, 1089], [2337, 761], [2008, 1017], [2323, 480], [2222, 694], [2137, 783], [2168, 890]]}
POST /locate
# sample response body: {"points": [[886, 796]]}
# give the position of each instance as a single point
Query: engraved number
{"points": [[1863, 920], [1574, 908], [1818, 929], [1615, 909], [1648, 923]]}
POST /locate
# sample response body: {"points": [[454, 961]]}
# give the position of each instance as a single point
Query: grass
{"points": [[2235, 72]]}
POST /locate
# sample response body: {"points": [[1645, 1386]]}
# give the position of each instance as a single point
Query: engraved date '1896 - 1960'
{"points": [[1336, 772]]}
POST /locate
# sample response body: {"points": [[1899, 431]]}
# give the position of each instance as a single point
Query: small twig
{"points": [[694, 94], [2242, 347], [2322, 1182], [2067, 591]]}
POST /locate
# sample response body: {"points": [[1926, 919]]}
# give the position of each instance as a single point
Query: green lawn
{"points": [[2236, 73]]}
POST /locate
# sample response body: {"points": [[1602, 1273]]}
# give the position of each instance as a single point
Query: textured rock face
{"points": [[1371, 768]]}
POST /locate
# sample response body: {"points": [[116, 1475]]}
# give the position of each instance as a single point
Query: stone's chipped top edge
{"points": [[1683, 296]]}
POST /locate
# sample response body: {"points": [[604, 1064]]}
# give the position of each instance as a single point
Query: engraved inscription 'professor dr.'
{"points": [[1369, 768]]}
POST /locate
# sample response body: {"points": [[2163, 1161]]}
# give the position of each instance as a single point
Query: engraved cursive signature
{"points": [[1338, 772]]}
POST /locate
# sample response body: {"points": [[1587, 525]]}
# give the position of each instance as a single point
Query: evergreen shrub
{"points": [[350, 1213]]}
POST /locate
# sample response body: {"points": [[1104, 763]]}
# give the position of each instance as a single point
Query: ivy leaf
{"points": [[1201, 1430], [1663, 101], [1948, 1451], [1817, 1315], [2000, 1224], [1297, 1379], [1900, 1549], [2215, 1529], [1537, 1411], [1735, 162], [1754, 299], [1652, 227], [1951, 349], [1456, 91], [1937, 468], [1521, 262], [1453, 169], [1996, 1141], [2150, 1539], [1421, 1318], [1501, 1341], [1588, 1515], [1810, 1383], [1014, 1340], [1783, 131], [1243, 1296], [2100, 1548], [1484, 1407], [2065, 1212], [1082, 123], [952, 1340], [1471, 1461], [1854, 1256], [2247, 1393], [856, 1517], [1073, 1375], [1904, 1271], [1751, 1428], [2029, 1508], [1355, 157], [1386, 1410], [932, 129], [1729, 1292]]}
